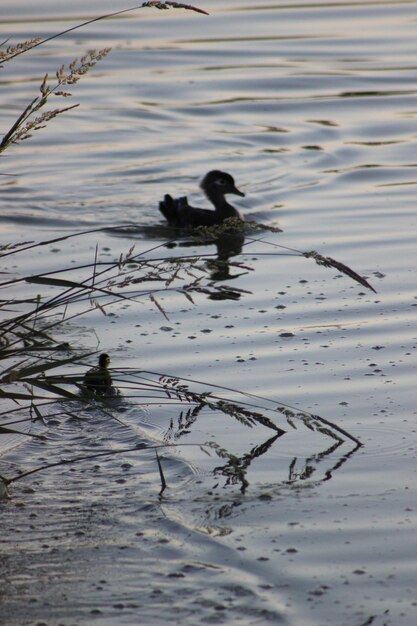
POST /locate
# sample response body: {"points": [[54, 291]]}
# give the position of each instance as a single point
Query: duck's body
{"points": [[215, 185], [98, 379]]}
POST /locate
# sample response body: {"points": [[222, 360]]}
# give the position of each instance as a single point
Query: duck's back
{"points": [[98, 380], [192, 217]]}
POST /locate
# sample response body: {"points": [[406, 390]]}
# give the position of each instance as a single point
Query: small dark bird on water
{"points": [[216, 185], [98, 379]]}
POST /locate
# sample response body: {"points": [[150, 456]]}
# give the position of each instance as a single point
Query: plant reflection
{"points": [[235, 470], [236, 467]]}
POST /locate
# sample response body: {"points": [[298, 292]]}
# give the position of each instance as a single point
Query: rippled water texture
{"points": [[312, 107]]}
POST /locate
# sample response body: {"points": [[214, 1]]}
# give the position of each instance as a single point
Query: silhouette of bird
{"points": [[98, 379], [216, 185]]}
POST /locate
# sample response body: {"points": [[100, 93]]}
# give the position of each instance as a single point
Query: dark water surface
{"points": [[312, 107]]}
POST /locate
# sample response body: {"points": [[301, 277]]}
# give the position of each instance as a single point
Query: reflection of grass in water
{"points": [[30, 355]]}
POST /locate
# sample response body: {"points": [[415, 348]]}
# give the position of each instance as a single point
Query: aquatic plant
{"points": [[13, 51], [28, 121], [32, 360], [20, 48], [234, 225], [33, 388]]}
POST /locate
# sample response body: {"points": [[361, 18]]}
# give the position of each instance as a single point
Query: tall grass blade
{"points": [[161, 473]]}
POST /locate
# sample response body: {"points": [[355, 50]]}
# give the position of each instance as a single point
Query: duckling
{"points": [[216, 185], [98, 379]]}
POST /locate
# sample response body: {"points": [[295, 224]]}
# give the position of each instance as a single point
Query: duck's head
{"points": [[104, 360], [218, 182]]}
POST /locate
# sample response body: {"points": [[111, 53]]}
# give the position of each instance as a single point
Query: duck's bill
{"points": [[237, 192]]}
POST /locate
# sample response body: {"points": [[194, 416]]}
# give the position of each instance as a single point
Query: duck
{"points": [[216, 185], [98, 379]]}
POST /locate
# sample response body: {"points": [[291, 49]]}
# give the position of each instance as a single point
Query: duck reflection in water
{"points": [[98, 379], [229, 238]]}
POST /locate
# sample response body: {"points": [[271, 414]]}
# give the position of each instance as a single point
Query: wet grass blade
{"points": [[327, 261], [4, 430], [161, 473], [59, 391], [20, 373]]}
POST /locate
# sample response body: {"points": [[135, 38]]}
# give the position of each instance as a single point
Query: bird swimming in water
{"points": [[98, 379], [216, 185]]}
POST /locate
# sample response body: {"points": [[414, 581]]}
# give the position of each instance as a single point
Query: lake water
{"points": [[312, 107]]}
